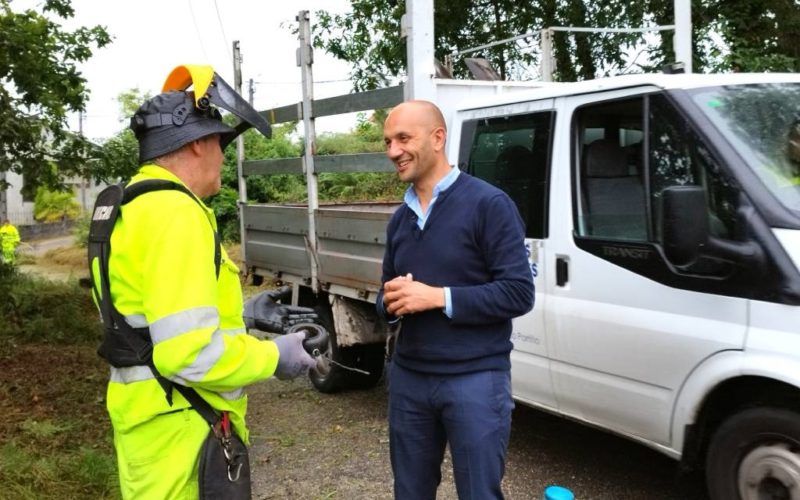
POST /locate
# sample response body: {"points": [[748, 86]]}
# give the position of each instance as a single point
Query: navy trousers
{"points": [[471, 412]]}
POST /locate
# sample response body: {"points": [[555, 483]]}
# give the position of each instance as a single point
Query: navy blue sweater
{"points": [[472, 242]]}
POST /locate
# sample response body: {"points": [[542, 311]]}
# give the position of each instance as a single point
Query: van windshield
{"points": [[762, 122]]}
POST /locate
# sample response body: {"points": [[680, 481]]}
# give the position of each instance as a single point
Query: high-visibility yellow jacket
{"points": [[9, 236], [163, 276]]}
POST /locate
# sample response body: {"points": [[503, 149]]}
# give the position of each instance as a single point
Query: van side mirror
{"points": [[685, 223], [687, 234]]}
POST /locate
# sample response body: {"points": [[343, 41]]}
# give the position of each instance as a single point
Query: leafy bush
{"points": [[53, 206], [81, 230]]}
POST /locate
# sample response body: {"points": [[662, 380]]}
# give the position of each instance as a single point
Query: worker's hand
{"points": [[293, 360], [264, 313], [403, 295]]}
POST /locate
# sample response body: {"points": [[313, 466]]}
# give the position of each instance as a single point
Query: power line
{"points": [[298, 83], [197, 30], [221, 28]]}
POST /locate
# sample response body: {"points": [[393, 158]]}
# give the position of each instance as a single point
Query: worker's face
{"points": [[212, 159], [411, 143]]}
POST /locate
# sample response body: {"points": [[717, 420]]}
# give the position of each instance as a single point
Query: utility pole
{"points": [[682, 43], [3, 197], [237, 82], [251, 91], [82, 180], [417, 28]]}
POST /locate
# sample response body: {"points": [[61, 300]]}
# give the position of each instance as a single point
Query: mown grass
{"points": [[55, 437]]}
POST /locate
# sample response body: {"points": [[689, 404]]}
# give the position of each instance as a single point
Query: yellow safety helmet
{"points": [[210, 89]]}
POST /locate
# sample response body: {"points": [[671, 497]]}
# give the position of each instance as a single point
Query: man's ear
{"points": [[439, 138], [196, 147]]}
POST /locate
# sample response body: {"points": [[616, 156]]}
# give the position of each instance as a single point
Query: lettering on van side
{"points": [[626, 252], [516, 336]]}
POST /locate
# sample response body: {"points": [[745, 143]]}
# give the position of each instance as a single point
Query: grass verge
{"points": [[55, 437]]}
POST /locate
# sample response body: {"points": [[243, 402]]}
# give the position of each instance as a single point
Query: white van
{"points": [[663, 222], [663, 217]]}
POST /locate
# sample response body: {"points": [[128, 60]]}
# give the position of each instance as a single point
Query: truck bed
{"points": [[351, 239]]}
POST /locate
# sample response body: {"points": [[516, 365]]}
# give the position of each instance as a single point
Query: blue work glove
{"points": [[293, 360], [265, 313]]}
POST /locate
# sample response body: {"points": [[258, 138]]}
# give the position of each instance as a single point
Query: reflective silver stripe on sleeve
{"points": [[131, 374], [136, 320], [205, 360], [185, 321], [232, 395], [233, 331]]}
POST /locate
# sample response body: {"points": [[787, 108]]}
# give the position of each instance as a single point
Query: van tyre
{"points": [[755, 455], [367, 357]]}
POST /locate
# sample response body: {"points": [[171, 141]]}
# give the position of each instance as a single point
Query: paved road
{"points": [[40, 247]]}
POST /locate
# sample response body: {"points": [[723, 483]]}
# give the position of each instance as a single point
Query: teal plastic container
{"points": [[558, 493]]}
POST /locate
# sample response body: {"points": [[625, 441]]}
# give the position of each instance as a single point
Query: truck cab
{"points": [[663, 231]]}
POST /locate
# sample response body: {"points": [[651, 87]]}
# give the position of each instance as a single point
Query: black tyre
{"points": [[335, 380], [369, 357], [755, 455]]}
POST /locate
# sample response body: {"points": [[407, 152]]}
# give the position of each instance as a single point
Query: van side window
{"points": [[513, 153], [612, 187], [628, 152]]}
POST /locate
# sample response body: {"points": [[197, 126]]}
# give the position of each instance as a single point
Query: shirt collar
{"points": [[442, 185]]}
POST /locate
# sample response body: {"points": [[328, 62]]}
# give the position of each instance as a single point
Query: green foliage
{"points": [[53, 206], [735, 35], [118, 157], [225, 206], [81, 230], [129, 102], [41, 84], [35, 309]]}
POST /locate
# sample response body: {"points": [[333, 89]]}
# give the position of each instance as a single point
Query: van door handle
{"points": [[562, 271]]}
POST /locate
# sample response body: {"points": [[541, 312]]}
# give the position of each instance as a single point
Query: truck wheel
{"points": [[755, 455], [368, 357], [334, 380]]}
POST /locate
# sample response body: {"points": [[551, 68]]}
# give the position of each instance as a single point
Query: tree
{"points": [[754, 35], [118, 157], [41, 85]]}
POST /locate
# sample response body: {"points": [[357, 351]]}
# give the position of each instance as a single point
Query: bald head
{"points": [[423, 113]]}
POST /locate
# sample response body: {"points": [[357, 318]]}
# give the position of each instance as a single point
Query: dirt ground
{"points": [[308, 445]]}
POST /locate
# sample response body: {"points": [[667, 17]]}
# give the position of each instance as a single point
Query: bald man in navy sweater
{"points": [[455, 273]]}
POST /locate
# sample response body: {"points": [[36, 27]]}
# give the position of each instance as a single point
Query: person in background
{"points": [[9, 241]]}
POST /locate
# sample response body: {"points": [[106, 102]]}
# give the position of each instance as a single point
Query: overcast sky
{"points": [[153, 36]]}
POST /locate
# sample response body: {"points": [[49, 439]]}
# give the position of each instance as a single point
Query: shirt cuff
{"points": [[448, 303], [390, 318]]}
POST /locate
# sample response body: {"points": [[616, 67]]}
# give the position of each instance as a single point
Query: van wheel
{"points": [[755, 455]]}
